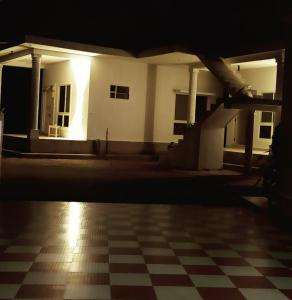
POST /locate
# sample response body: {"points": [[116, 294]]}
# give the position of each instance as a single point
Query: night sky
{"points": [[201, 26]]}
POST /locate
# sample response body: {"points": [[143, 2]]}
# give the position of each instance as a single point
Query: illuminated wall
{"points": [[75, 72], [125, 119], [92, 110], [261, 79]]}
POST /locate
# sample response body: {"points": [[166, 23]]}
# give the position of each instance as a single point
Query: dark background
{"points": [[15, 99], [221, 27]]}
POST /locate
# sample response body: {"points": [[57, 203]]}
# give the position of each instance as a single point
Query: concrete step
{"points": [[238, 158], [259, 202], [137, 157], [239, 167]]}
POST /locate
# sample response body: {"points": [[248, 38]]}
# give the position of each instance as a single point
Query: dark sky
{"points": [[214, 26]]}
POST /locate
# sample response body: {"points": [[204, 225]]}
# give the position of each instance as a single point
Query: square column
{"points": [[35, 92], [193, 82]]}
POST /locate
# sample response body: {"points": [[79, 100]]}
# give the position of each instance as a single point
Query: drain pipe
{"points": [[237, 88]]}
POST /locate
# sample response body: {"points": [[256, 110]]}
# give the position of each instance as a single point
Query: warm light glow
{"points": [[74, 223], [81, 73]]}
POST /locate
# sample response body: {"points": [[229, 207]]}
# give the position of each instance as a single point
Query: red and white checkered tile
{"points": [[58, 250]]}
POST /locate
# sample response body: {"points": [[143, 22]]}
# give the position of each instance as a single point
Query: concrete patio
{"points": [[116, 180]]}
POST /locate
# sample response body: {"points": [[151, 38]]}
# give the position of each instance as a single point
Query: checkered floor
{"points": [[61, 250]]}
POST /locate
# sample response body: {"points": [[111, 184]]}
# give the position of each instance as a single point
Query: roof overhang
{"points": [[53, 50]]}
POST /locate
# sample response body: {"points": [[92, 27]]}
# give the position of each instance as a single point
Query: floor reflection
{"points": [[74, 223]]}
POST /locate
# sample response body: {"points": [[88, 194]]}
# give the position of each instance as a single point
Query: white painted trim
{"points": [[186, 92]]}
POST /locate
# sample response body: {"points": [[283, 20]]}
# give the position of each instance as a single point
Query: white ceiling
{"points": [[257, 64], [25, 61]]}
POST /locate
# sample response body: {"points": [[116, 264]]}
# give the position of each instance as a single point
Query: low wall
{"points": [[98, 147]]}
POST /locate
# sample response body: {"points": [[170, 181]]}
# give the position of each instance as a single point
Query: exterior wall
{"points": [[211, 149], [148, 115], [240, 137], [170, 78], [125, 119], [77, 74], [230, 132], [261, 79]]}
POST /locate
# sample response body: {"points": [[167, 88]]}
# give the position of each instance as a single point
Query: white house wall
{"points": [[169, 79], [148, 115], [77, 74], [263, 80], [125, 119]]}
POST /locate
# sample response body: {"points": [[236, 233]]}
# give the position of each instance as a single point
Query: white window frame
{"points": [[63, 114]]}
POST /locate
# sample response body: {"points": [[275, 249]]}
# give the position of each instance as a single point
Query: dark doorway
{"points": [[15, 98], [201, 107], [16, 85]]}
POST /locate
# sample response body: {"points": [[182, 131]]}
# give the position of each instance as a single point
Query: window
{"points": [[181, 107], [267, 117], [64, 105], [265, 132], [179, 128], [119, 92]]}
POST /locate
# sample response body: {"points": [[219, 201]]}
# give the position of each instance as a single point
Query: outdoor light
{"points": [[81, 73]]}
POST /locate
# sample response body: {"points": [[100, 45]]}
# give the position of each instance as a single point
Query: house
{"points": [[93, 100]]}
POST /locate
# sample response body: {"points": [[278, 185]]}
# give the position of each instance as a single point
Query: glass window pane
{"points": [[123, 89], [123, 92], [179, 128], [68, 92], [267, 116], [66, 121], [62, 99], [113, 88], [113, 95], [265, 132], [122, 96], [60, 119]]}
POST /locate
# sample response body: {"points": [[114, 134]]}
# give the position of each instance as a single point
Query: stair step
{"points": [[239, 167], [141, 157], [257, 201]]}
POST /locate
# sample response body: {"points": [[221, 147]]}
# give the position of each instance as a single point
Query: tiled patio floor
{"points": [[73, 250]]}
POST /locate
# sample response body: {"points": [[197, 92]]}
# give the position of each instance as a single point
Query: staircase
{"points": [[202, 146]]}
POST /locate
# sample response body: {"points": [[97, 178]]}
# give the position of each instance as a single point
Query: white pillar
{"points": [[192, 95], [35, 91]]}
